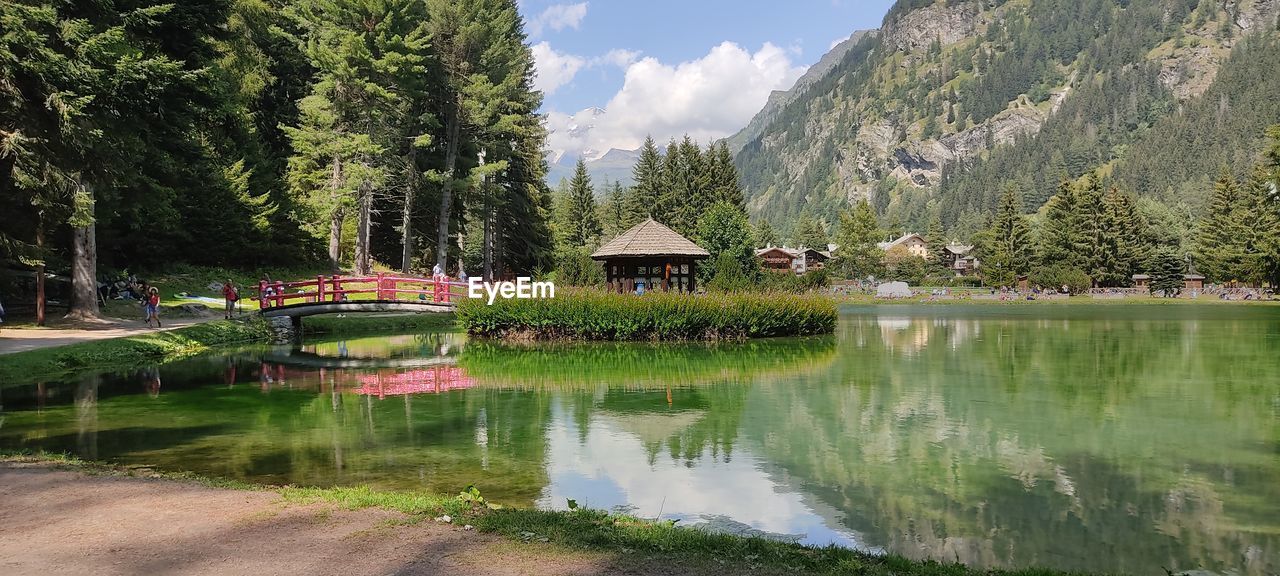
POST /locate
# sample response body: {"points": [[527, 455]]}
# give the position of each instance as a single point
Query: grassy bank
{"points": [[367, 323], [580, 529], [595, 315], [50, 363]]}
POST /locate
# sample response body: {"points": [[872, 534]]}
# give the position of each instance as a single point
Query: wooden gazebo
{"points": [[653, 255]]}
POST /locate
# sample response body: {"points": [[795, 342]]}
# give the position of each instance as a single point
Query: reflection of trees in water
{"points": [[1105, 445], [682, 399]]}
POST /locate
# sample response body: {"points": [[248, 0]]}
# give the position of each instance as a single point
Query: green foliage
{"points": [[1004, 246], [1167, 269], [729, 275], [146, 349], [858, 254], [576, 268], [581, 226], [591, 315], [724, 232], [765, 234], [811, 234], [1054, 277]]}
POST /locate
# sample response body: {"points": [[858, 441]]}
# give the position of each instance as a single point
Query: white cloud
{"points": [[708, 98], [618, 57], [554, 69], [557, 17]]}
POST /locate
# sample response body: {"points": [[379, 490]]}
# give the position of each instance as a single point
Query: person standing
{"points": [[231, 295], [153, 306]]}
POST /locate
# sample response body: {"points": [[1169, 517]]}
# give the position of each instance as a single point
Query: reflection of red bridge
{"points": [[380, 382], [429, 381]]}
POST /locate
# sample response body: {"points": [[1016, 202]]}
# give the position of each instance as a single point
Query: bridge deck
{"points": [[361, 294]]}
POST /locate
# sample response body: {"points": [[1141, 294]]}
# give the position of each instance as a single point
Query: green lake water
{"points": [[1104, 438]]}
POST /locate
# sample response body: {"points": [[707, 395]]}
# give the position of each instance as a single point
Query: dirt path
{"points": [[55, 521], [29, 338]]}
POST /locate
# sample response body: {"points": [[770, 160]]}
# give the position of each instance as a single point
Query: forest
{"points": [[139, 135]]}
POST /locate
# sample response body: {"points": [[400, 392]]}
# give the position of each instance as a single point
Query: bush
{"points": [[576, 268], [596, 315], [728, 275], [773, 281], [1055, 277]]}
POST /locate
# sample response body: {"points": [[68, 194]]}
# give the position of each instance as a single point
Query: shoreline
{"points": [[609, 543]]}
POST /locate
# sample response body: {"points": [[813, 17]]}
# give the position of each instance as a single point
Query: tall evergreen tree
{"points": [[1167, 269], [765, 234], [613, 212], [858, 254], [723, 176], [583, 226], [1219, 245], [1003, 246], [1060, 242], [648, 188], [810, 234]]}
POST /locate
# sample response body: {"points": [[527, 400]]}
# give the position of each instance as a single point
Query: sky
{"points": [[667, 68]]}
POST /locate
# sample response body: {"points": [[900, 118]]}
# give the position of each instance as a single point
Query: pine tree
{"points": [[1219, 244], [1060, 241], [613, 213], [810, 233], [1090, 238], [1122, 234], [584, 221], [1003, 246], [647, 190], [1167, 268], [858, 254], [765, 234], [1260, 224], [723, 176]]}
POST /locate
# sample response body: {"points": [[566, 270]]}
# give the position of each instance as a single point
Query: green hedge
{"points": [[596, 315]]}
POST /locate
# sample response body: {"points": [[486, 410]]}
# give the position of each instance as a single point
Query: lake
{"points": [[1103, 438]]}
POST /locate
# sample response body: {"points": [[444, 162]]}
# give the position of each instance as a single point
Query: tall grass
{"points": [[596, 315]]}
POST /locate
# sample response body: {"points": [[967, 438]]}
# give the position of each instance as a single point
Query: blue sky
{"points": [[672, 67]]}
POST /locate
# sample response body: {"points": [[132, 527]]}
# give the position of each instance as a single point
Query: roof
{"points": [[904, 238], [1141, 277], [1192, 277], [959, 249], [787, 251], [649, 238]]}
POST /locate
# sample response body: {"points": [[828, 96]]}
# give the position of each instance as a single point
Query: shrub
{"points": [[596, 315], [576, 268], [1055, 277]]}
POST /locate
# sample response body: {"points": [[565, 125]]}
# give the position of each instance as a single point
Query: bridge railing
{"points": [[381, 287]]}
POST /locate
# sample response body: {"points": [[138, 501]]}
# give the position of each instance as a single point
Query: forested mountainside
{"points": [[955, 100]]}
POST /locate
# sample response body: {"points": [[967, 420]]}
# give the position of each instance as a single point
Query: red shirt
{"points": [[154, 300], [228, 292]]}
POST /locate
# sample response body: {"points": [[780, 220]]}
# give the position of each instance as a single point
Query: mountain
{"points": [[614, 166], [951, 101], [779, 99]]}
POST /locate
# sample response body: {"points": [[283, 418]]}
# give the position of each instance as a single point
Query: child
{"points": [[153, 306], [231, 295]]}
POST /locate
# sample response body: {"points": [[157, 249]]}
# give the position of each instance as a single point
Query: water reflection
{"points": [[1120, 440]]}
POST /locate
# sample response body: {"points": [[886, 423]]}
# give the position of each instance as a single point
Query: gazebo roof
{"points": [[649, 238]]}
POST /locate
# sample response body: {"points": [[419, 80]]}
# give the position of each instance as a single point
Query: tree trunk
{"points": [[406, 218], [363, 261], [84, 269], [453, 128], [336, 216], [40, 269]]}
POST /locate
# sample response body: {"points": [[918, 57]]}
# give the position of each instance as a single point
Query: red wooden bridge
{"points": [[377, 293]]}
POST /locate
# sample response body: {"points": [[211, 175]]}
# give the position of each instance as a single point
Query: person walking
{"points": [[153, 306], [231, 295]]}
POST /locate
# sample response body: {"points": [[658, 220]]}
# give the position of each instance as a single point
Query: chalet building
{"points": [[1142, 281], [798, 261], [960, 259], [653, 256], [913, 242]]}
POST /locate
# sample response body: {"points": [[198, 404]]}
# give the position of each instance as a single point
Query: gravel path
{"points": [[23, 339], [55, 521]]}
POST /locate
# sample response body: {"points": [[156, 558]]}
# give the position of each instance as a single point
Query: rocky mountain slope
{"points": [[951, 100]]}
